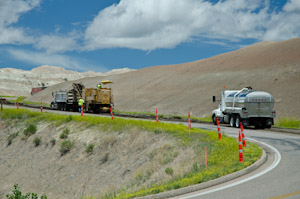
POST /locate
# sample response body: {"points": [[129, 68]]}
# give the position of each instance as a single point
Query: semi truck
{"points": [[66, 100], [252, 108]]}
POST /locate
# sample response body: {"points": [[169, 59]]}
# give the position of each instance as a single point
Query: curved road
{"points": [[282, 182]]}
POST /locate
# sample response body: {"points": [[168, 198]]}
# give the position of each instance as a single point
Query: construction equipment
{"points": [[99, 100], [95, 100], [252, 108], [66, 100]]}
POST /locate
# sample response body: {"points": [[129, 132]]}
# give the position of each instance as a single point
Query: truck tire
{"points": [[237, 121], [214, 119], [232, 121]]}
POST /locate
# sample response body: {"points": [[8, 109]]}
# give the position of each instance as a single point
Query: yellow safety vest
{"points": [[80, 102]]}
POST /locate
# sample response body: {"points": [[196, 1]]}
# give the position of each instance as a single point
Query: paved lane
{"points": [[281, 182]]}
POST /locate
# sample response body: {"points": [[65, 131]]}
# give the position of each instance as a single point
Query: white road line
{"points": [[274, 164]]}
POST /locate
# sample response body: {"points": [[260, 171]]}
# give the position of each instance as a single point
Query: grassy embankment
{"points": [[283, 122], [288, 122], [222, 155], [20, 99], [163, 116]]}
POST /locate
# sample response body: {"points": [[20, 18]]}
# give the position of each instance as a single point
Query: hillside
{"points": [[16, 82], [177, 89]]}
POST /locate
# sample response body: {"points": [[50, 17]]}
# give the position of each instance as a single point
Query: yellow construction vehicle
{"points": [[99, 100]]}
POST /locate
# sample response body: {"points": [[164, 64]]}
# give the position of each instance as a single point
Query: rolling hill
{"points": [[178, 89]]}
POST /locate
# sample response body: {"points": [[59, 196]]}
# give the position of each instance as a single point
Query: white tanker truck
{"points": [[252, 108]]}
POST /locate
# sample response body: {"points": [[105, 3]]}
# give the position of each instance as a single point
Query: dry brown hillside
{"points": [[177, 89]]}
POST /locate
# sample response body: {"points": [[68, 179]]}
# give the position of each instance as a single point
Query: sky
{"points": [[101, 35]]}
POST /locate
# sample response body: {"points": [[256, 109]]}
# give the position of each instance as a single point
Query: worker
{"points": [[80, 103], [99, 86]]}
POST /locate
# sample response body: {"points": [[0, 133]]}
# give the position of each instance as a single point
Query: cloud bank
{"points": [[150, 25], [153, 24]]}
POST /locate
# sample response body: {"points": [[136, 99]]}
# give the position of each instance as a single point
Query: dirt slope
{"points": [[124, 159], [177, 89]]}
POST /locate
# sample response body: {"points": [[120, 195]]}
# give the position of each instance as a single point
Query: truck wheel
{"points": [[232, 121], [237, 121], [214, 119]]}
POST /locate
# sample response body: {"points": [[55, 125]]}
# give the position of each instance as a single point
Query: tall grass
{"points": [[288, 122], [222, 155]]}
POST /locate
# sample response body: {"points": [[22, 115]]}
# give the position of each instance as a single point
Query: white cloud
{"points": [[46, 59], [10, 11], [153, 24], [56, 44]]}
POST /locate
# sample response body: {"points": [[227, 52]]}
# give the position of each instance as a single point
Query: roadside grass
{"points": [[288, 122], [222, 155], [21, 99], [163, 116]]}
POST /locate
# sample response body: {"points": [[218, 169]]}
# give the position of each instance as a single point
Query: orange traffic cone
{"points": [[240, 148], [219, 131], [243, 135]]}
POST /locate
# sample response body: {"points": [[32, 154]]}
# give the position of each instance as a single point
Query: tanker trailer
{"points": [[252, 108]]}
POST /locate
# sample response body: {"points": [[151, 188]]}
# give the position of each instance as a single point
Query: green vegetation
{"points": [[30, 130], [11, 137], [64, 134], [37, 141], [90, 148], [7, 96], [169, 171], [166, 117], [222, 155], [17, 194], [53, 141], [65, 147], [21, 99], [288, 122]]}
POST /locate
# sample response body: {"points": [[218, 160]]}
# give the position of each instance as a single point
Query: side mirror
{"points": [[214, 99]]}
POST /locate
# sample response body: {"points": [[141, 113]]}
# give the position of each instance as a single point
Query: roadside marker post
{"points": [[112, 114], [243, 135], [241, 159], [219, 131], [205, 157], [156, 116], [81, 109], [41, 106], [190, 123]]}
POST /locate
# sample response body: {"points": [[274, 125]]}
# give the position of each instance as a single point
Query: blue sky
{"points": [[101, 35]]}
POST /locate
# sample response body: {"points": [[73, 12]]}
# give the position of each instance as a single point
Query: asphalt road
{"points": [[283, 181], [277, 179]]}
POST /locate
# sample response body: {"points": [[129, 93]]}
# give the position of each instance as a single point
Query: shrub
{"points": [[90, 148], [65, 147], [30, 130], [169, 171], [11, 137], [53, 141], [69, 118], [64, 134], [37, 141], [17, 194]]}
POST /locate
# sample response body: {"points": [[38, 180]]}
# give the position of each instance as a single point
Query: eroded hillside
{"points": [[273, 67], [124, 159]]}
